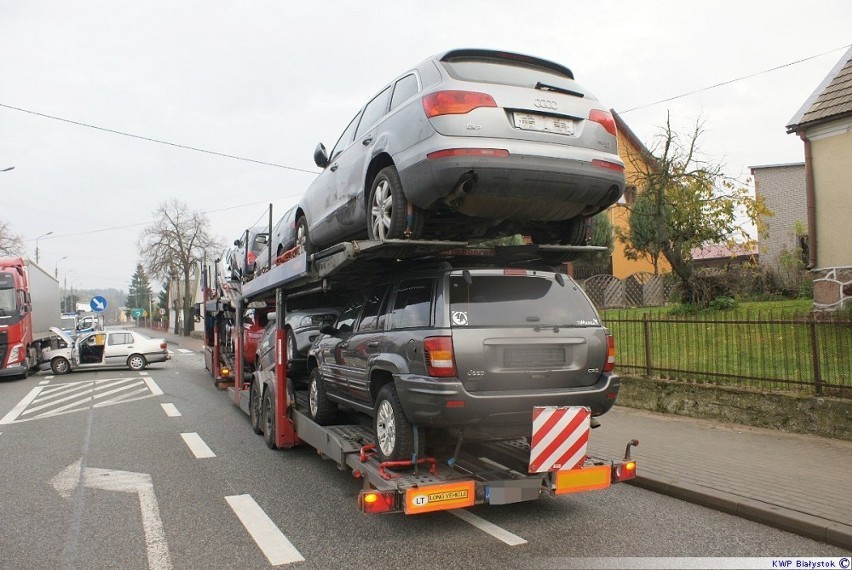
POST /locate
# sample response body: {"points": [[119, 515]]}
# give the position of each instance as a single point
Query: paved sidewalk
{"points": [[798, 483]]}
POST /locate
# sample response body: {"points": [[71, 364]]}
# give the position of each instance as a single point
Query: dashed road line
{"points": [[197, 446], [487, 527], [44, 383], [170, 410], [185, 351], [272, 542]]}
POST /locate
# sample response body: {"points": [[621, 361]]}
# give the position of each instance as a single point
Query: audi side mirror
{"points": [[320, 156]]}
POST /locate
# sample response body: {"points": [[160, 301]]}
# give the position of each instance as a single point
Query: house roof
{"points": [[622, 127], [719, 251], [831, 100]]}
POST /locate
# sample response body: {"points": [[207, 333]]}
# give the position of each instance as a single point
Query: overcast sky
{"points": [[267, 80]]}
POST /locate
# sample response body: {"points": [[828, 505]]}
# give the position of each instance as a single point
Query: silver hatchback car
{"points": [[468, 144]]}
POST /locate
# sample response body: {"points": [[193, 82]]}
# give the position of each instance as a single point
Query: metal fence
{"points": [[800, 352]]}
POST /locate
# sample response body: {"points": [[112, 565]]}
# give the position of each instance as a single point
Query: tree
{"points": [[10, 242], [173, 247], [139, 295], [687, 203], [640, 239]]}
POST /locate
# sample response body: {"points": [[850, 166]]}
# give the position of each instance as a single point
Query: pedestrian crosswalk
{"points": [[46, 401]]}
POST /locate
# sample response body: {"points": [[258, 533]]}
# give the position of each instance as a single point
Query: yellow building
{"points": [[635, 156]]}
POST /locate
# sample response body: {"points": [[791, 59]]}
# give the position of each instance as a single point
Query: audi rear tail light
{"points": [[450, 152], [440, 360], [603, 118], [610, 354], [455, 102], [608, 165]]}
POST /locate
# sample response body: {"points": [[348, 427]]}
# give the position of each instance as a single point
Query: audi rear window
{"points": [[515, 301], [510, 72]]}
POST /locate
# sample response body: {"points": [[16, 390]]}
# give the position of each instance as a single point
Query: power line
{"points": [[158, 141], [776, 68]]}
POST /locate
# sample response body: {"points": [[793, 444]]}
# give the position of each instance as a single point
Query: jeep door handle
{"points": [[333, 167], [367, 141], [343, 345], [373, 344]]}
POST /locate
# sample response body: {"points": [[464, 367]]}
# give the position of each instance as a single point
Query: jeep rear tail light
{"points": [[440, 361], [456, 102], [610, 354], [603, 118]]}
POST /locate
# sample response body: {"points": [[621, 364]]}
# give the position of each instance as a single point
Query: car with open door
{"points": [[104, 349]]}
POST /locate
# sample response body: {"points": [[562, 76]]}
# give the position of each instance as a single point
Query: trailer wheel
{"points": [[136, 362], [388, 209], [255, 411], [320, 408], [394, 433], [269, 419], [302, 237], [60, 365]]}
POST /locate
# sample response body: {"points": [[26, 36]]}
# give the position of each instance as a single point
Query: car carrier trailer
{"points": [[469, 473]]}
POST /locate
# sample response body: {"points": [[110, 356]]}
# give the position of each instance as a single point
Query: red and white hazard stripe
{"points": [[559, 439]]}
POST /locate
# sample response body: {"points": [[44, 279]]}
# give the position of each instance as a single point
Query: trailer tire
{"points": [[255, 409], [394, 433], [269, 420], [320, 408], [60, 365], [387, 214]]}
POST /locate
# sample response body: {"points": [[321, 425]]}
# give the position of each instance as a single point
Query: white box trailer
{"points": [[44, 299]]}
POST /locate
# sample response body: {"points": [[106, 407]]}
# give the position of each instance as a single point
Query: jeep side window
{"points": [[347, 318], [413, 304], [372, 308]]}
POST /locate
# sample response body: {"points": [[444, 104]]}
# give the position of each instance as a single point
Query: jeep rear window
{"points": [[512, 300], [508, 72]]}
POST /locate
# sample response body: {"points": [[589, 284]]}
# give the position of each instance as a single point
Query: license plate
{"points": [[544, 123]]}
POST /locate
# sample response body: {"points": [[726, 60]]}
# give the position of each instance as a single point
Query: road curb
{"points": [[831, 532]]}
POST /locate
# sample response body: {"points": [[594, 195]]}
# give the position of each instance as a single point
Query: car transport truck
{"points": [[29, 306], [539, 430]]}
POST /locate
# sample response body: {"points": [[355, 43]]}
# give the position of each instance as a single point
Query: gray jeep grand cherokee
{"points": [[462, 349]]}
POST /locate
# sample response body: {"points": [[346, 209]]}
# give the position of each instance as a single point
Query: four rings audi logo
{"points": [[545, 104]]}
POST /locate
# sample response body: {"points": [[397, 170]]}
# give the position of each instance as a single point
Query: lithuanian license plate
{"points": [[544, 123]]}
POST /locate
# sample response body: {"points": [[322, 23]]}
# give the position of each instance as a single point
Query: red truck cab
{"points": [[15, 318]]}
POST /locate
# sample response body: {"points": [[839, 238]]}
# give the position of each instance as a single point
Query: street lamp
{"points": [[56, 267], [38, 238]]}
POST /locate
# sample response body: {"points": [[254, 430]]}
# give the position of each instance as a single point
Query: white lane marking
{"points": [[143, 374], [16, 411], [170, 410], [275, 546], [490, 528], [153, 386], [197, 446], [93, 396], [123, 482], [44, 383], [72, 391], [185, 351]]}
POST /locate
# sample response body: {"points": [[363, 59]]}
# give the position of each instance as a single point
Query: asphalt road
{"points": [[111, 482]]}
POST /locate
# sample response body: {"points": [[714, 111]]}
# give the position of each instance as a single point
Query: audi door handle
{"points": [[333, 167], [367, 141]]}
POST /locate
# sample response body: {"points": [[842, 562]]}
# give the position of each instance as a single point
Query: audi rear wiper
{"points": [[545, 87]]}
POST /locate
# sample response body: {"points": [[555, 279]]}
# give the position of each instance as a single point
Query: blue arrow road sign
{"points": [[98, 304]]}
